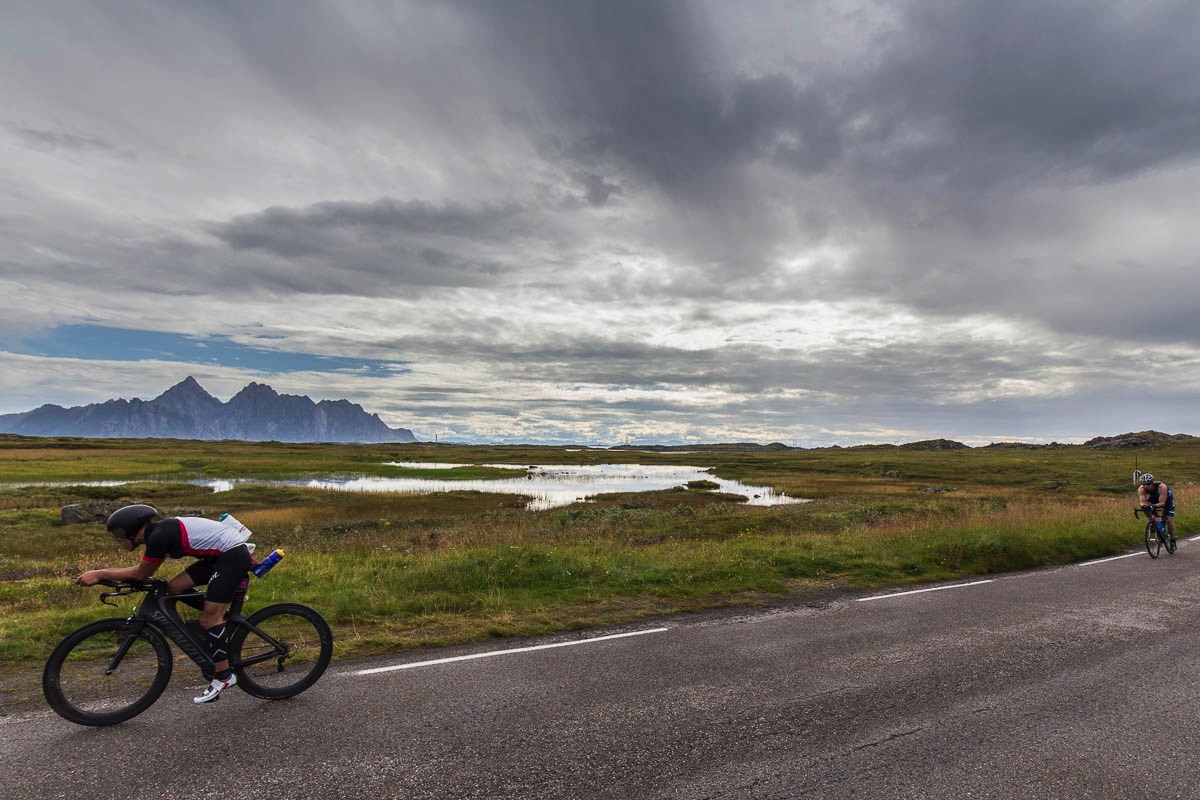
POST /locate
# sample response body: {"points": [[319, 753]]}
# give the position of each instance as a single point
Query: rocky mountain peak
{"points": [[187, 394], [187, 411]]}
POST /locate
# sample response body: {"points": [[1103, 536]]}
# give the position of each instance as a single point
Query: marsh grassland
{"points": [[399, 571]]}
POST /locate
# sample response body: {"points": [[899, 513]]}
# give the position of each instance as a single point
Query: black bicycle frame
{"points": [[160, 610], [1159, 519]]}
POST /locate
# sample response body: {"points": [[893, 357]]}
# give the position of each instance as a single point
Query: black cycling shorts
{"points": [[221, 573]]}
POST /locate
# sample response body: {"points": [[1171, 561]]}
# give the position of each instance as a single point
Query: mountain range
{"points": [[187, 411]]}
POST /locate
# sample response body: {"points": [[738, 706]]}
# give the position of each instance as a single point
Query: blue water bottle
{"points": [[268, 562]]}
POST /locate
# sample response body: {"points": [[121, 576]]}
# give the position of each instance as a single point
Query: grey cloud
{"points": [[643, 84], [597, 190], [992, 143], [1052, 260], [982, 93], [629, 77], [642, 93], [366, 246], [773, 392], [52, 140], [845, 370], [796, 127], [320, 228], [955, 99]]}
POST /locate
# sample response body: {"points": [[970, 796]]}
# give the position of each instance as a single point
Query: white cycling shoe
{"points": [[213, 692]]}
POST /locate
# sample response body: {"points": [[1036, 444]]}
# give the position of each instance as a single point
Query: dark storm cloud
{"points": [[644, 87], [952, 101], [325, 227], [1008, 151], [643, 94], [981, 94], [368, 246], [625, 79], [597, 190], [970, 93]]}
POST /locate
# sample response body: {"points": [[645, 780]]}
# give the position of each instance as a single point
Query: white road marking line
{"points": [[1128, 555], [1110, 558], [921, 591], [490, 653]]}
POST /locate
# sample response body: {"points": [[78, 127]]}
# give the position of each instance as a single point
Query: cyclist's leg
{"points": [[228, 569], [212, 620], [225, 573], [182, 582], [198, 573], [1168, 516]]}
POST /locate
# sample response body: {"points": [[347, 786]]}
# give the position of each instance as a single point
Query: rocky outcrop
{"points": [[91, 511], [1142, 439], [934, 444]]}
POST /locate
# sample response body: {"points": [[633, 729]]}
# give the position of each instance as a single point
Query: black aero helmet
{"points": [[125, 522]]}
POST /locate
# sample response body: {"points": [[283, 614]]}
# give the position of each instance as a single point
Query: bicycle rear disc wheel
{"points": [[1153, 543], [81, 685], [283, 650]]}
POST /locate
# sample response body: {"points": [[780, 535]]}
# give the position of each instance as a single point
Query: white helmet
{"points": [[1146, 478]]}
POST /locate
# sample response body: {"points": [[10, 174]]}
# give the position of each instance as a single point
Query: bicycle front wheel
{"points": [[280, 650], [104, 673], [1153, 543]]}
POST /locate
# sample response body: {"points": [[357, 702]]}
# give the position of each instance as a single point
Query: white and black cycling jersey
{"points": [[177, 537]]}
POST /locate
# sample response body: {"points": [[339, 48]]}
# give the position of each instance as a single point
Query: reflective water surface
{"points": [[548, 486]]}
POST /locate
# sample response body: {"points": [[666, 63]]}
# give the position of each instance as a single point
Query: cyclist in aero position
{"points": [[1156, 493], [223, 561]]}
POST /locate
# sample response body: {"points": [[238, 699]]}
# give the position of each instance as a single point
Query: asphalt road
{"points": [[1065, 683]]}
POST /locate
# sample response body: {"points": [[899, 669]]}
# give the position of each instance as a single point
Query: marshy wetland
{"points": [[546, 486]]}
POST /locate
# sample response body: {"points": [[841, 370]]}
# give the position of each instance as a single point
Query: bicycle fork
{"points": [[135, 629]]}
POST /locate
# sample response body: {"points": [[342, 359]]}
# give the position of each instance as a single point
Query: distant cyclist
{"points": [[1154, 493], [223, 560]]}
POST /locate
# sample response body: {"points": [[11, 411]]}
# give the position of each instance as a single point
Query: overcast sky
{"points": [[599, 221]]}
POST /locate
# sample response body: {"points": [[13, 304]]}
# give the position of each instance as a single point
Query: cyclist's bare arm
{"points": [[138, 572]]}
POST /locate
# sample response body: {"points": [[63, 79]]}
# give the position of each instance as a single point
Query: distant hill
{"points": [[1125, 440], [187, 411], [736, 447], [1143, 439], [934, 444], [924, 444]]}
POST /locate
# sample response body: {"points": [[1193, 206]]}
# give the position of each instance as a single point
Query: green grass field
{"points": [[393, 571]]}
